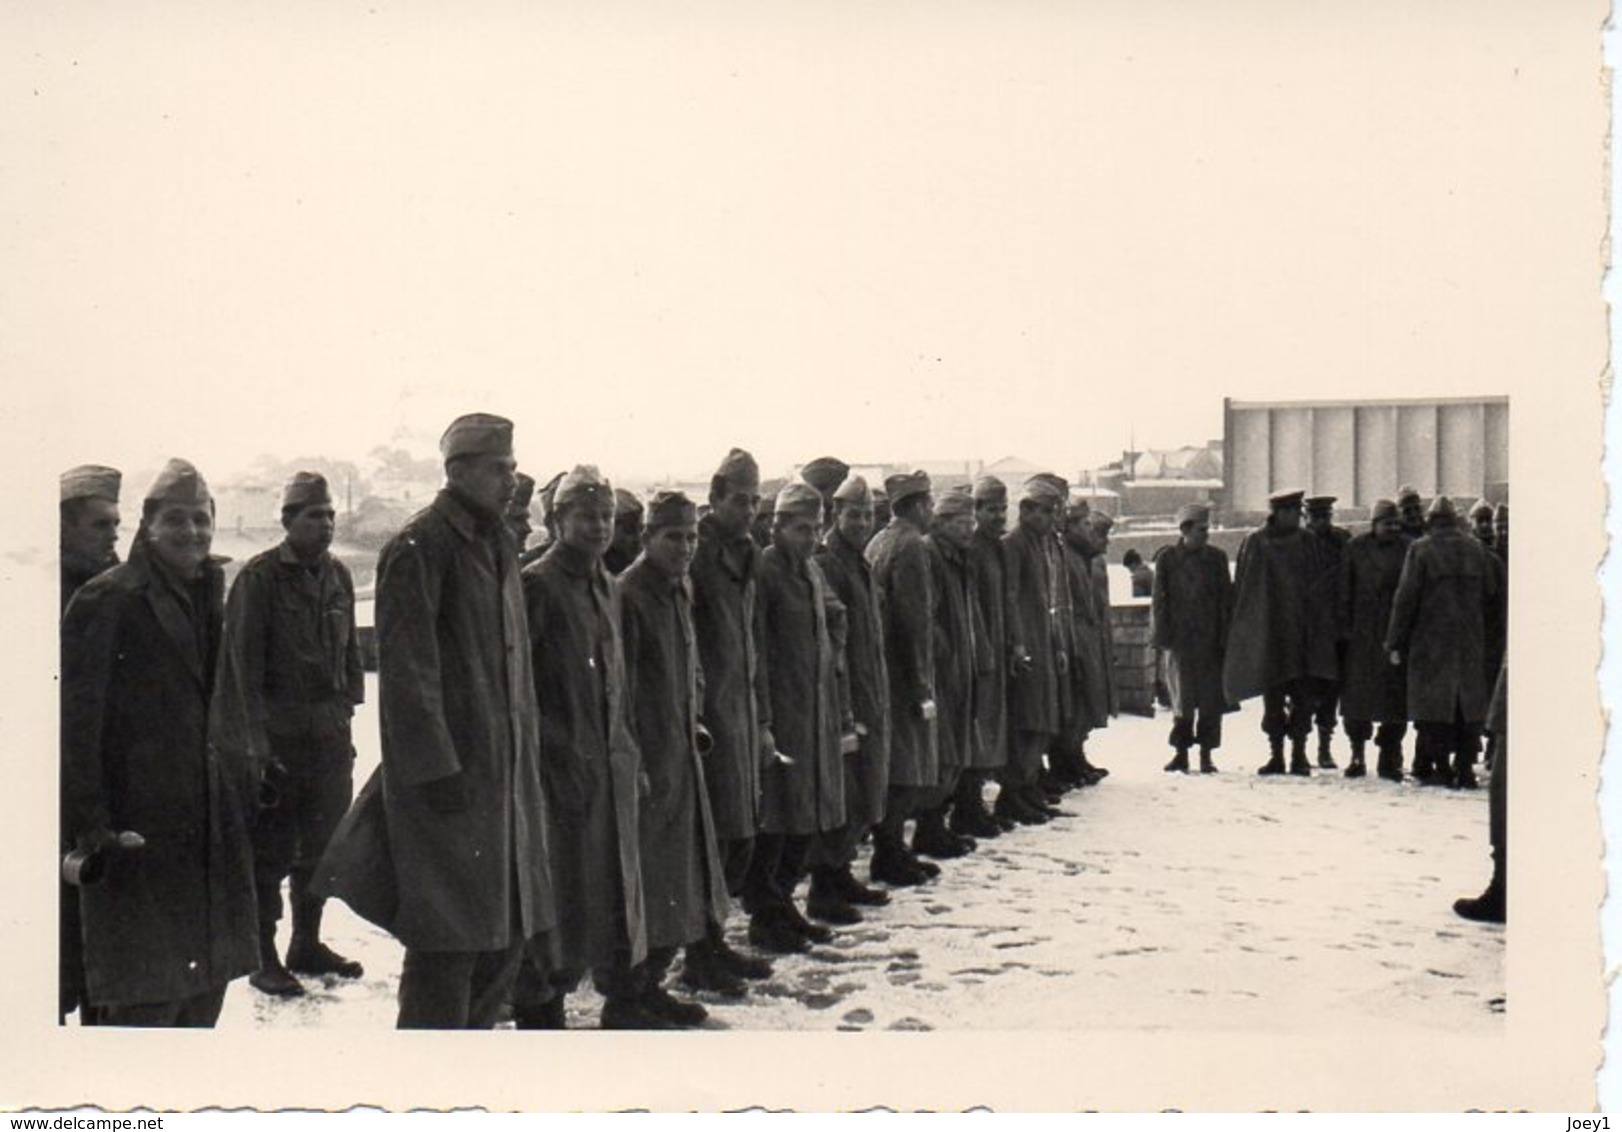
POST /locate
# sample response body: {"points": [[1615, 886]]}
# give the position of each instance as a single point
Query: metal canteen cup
{"points": [[84, 867]]}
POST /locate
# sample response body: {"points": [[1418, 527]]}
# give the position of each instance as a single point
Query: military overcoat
{"points": [[1451, 590], [1275, 637], [907, 598], [867, 773], [1033, 624], [1372, 688], [1190, 608], [991, 681]]}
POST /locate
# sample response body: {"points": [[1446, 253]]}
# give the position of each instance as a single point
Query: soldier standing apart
{"points": [[290, 677], [835, 891], [627, 542], [1373, 690], [89, 545], [170, 922], [446, 845], [958, 641], [1272, 649], [1325, 608], [1191, 605], [901, 577], [1038, 659], [989, 753], [1143, 575], [1449, 598], [683, 888], [803, 790], [725, 576], [591, 772]]}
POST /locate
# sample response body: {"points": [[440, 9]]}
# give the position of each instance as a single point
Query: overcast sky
{"points": [[649, 232]]}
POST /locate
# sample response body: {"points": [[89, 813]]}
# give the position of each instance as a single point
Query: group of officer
{"points": [[591, 748]]}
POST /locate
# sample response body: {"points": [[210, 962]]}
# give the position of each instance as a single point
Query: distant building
{"points": [[1155, 483], [1361, 451]]}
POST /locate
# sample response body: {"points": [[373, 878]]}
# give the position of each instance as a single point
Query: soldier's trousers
{"points": [[1438, 743], [199, 1012], [1288, 708], [290, 836], [779, 862], [1390, 735], [1324, 713], [456, 990], [1203, 728], [735, 854], [1025, 752]]}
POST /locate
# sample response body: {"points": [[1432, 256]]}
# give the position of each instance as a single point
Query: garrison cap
{"points": [[477, 434], [626, 503], [670, 509], [957, 501], [1319, 504], [853, 490], [1077, 507], [1281, 499], [1383, 509], [1193, 513], [91, 481], [549, 495], [1482, 510], [990, 489], [1058, 482], [1442, 508], [306, 489], [1040, 489], [1406, 495], [1102, 521], [523, 491], [799, 499], [739, 470], [906, 484], [1500, 512], [583, 485], [179, 482], [825, 473]]}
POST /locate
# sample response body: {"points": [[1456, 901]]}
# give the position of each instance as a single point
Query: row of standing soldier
{"points": [[576, 771]]}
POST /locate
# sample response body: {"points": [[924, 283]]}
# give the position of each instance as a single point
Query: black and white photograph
{"points": [[925, 556]]}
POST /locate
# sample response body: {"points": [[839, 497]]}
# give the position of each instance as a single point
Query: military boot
{"points": [[662, 1004], [1206, 765], [307, 955], [272, 978], [1300, 765], [1490, 906], [630, 1014], [933, 839], [1091, 773], [816, 933], [1464, 777], [827, 903], [769, 931], [1012, 807], [703, 970], [741, 965], [1356, 768], [1389, 765], [1179, 762], [1275, 758], [1326, 761], [855, 892], [548, 1015]]}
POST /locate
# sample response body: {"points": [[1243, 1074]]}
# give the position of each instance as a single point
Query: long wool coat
{"points": [[1450, 592], [907, 600], [1276, 635], [176, 918], [725, 617], [991, 681], [1372, 688], [1191, 604], [590, 764], [456, 694], [958, 639], [807, 702], [1092, 648], [683, 888], [1033, 623], [867, 772]]}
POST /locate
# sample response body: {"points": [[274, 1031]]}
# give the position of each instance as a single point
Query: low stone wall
{"points": [[1134, 657]]}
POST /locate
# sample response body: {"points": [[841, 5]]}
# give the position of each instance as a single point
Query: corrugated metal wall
{"points": [[1360, 451]]}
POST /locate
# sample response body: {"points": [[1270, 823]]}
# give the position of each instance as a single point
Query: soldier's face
{"points": [[734, 510], [587, 526], [1078, 532], [488, 481], [795, 535], [1387, 529], [854, 522], [1036, 516], [1500, 529], [1484, 528], [518, 523], [628, 533], [1196, 535], [1287, 519], [180, 535], [957, 529], [991, 517], [670, 549], [1319, 522], [309, 532], [1413, 515], [92, 532]]}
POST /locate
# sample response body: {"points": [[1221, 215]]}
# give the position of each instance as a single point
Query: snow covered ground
{"points": [[1225, 902]]}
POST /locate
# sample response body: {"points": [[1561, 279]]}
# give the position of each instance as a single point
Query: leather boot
{"points": [[631, 1014], [1389, 766], [891, 864], [1179, 762], [548, 1015], [1012, 807], [307, 955], [1326, 761], [933, 839], [741, 965], [1275, 758], [1356, 769], [1091, 774], [826, 903], [662, 1004], [272, 978], [1300, 766], [1490, 907], [1464, 777], [769, 931], [816, 933], [702, 970], [1206, 765], [855, 892]]}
